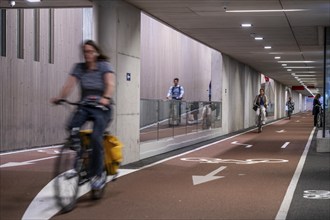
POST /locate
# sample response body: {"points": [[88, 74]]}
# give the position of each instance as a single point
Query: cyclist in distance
{"points": [[97, 81], [316, 107], [261, 101], [290, 105]]}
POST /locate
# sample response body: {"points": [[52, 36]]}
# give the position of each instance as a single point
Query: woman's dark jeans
{"points": [[101, 119]]}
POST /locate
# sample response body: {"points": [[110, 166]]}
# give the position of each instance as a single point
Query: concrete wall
{"points": [[240, 86], [27, 118], [118, 33], [166, 54]]}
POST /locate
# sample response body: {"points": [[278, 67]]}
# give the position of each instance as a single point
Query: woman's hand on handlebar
{"points": [[56, 100], [104, 101]]}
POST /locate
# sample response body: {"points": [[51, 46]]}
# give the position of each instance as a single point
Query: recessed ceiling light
{"points": [[258, 38], [284, 64], [246, 25], [34, 0], [289, 70], [277, 58], [267, 47]]}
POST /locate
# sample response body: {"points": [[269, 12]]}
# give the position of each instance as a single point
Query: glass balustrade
{"points": [[161, 119]]}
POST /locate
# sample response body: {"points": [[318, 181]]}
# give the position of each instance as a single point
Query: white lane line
{"points": [[44, 206], [29, 162], [32, 149], [283, 211], [246, 145], [285, 145]]}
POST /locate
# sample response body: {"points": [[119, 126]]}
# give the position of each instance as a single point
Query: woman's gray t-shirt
{"points": [[91, 81]]}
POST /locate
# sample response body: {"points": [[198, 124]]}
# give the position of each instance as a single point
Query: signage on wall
{"points": [[128, 76]]}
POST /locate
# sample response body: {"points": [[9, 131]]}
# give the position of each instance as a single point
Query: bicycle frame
{"points": [[259, 120]]}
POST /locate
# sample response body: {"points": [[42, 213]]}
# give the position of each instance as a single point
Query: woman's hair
{"points": [[318, 96], [101, 56]]}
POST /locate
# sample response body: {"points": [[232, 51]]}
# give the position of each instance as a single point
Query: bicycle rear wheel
{"points": [[66, 178], [289, 114], [319, 120], [259, 123], [259, 127]]}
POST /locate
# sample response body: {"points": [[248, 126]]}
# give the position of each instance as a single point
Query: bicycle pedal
{"points": [[70, 174], [83, 181]]}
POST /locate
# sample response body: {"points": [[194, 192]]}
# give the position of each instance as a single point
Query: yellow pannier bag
{"points": [[113, 155]]}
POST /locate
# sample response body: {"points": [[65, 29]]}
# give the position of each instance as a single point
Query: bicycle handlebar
{"points": [[83, 103]]}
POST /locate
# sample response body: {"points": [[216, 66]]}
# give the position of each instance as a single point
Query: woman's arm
{"points": [[66, 90], [110, 85]]}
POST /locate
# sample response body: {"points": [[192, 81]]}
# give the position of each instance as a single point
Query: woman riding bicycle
{"points": [[261, 101], [97, 81]]}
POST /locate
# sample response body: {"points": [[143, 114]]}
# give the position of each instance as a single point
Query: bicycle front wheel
{"points": [[319, 120], [66, 178]]}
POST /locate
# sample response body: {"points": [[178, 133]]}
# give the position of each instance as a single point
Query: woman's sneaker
{"points": [[98, 182]]}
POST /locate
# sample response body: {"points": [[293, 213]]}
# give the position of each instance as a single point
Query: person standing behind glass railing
{"points": [[176, 92]]}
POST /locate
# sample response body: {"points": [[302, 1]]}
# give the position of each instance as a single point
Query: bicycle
{"points": [[259, 125], [175, 116], [72, 169], [259, 119], [319, 117], [289, 112]]}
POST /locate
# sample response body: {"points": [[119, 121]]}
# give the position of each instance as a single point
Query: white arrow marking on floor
{"points": [[285, 145], [247, 145], [281, 131], [51, 152], [209, 177], [15, 164]]}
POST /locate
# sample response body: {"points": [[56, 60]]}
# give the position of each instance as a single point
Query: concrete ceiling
{"points": [[293, 35]]}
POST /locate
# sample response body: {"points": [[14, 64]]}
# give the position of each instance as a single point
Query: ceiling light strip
{"points": [[258, 11], [296, 61]]}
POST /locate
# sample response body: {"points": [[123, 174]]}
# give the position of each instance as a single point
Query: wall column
{"points": [[117, 31]]}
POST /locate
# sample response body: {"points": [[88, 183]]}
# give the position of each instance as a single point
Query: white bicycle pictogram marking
{"points": [[234, 161], [316, 194]]}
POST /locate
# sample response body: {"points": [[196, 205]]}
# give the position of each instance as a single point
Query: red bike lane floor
{"points": [[243, 177]]}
